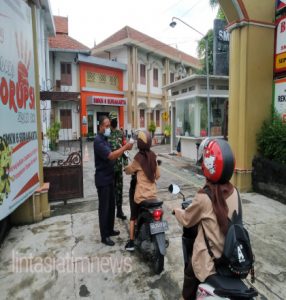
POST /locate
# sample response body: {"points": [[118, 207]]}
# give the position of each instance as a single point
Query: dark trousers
{"points": [[106, 209], [191, 283], [118, 185]]}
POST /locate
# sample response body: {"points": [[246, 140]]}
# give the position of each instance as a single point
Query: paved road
{"points": [[65, 259]]}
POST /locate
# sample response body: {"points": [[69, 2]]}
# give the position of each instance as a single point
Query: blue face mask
{"points": [[107, 132]]}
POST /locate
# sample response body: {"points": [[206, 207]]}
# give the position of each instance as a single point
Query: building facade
{"points": [[61, 100], [101, 91], [150, 65]]}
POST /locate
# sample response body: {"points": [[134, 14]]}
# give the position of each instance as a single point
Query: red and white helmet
{"points": [[217, 160]]}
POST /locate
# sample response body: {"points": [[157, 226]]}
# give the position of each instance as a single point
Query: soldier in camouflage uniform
{"points": [[116, 141]]}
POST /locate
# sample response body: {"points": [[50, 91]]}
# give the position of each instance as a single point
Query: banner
{"points": [[280, 48], [19, 163], [280, 98]]}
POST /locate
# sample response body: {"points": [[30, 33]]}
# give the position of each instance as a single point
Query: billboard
{"points": [[280, 45], [280, 98], [19, 163], [280, 4]]}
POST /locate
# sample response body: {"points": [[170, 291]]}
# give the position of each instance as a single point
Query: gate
{"points": [[63, 169]]}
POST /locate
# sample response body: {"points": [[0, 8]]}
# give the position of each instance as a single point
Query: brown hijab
{"points": [[219, 193], [145, 157]]}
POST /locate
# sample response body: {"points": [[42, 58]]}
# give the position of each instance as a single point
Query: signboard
{"points": [[280, 49], [19, 165], [113, 101], [102, 80], [280, 98], [280, 4]]}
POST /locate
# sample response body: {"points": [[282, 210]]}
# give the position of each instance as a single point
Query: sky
{"points": [[94, 20]]}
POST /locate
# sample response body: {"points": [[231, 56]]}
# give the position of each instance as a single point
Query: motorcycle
{"points": [[150, 229], [216, 286]]}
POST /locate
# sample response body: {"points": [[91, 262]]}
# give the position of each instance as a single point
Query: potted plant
{"points": [[53, 134], [167, 133], [152, 128]]}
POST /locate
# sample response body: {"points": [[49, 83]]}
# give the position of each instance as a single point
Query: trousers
{"points": [[106, 209], [191, 283], [118, 185]]}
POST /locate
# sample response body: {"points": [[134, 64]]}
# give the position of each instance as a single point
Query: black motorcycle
{"points": [[216, 286], [150, 230]]}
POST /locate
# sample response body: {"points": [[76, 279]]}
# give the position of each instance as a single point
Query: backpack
{"points": [[237, 258]]}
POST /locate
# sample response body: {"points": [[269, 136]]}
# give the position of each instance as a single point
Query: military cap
{"points": [[112, 115]]}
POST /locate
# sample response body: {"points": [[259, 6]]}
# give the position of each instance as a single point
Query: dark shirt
{"points": [[104, 168]]}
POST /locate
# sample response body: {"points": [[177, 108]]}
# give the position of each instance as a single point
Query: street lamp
{"points": [[173, 24]]}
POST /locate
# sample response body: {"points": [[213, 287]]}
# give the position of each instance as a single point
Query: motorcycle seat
{"points": [[150, 203], [230, 287]]}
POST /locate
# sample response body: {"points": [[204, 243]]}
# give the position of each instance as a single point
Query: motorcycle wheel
{"points": [[158, 260]]}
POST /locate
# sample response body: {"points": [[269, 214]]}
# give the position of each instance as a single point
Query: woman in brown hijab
{"points": [[147, 172], [210, 210]]}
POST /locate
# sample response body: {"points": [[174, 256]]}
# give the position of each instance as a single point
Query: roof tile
{"points": [[137, 36]]}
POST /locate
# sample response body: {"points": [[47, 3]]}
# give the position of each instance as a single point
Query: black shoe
{"points": [[120, 214], [115, 233], [130, 246], [107, 241]]}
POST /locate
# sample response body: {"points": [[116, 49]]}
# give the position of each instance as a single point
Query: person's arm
{"points": [[157, 175], [117, 153], [191, 215], [132, 168]]}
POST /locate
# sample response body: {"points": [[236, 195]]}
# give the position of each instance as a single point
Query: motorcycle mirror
{"points": [[174, 189]]}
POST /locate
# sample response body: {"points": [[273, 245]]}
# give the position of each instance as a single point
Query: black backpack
{"points": [[237, 259]]}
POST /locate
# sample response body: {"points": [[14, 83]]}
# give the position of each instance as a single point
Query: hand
{"points": [[128, 146]]}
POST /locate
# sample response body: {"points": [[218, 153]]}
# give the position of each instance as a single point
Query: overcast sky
{"points": [[95, 20]]}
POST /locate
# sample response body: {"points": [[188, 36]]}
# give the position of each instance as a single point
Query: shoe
{"points": [[114, 233], [120, 214], [130, 246], [108, 241]]}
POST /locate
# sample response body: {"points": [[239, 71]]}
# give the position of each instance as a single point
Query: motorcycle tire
{"points": [[158, 259]]}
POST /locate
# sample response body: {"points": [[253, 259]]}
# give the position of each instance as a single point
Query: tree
{"points": [[201, 49], [220, 13]]}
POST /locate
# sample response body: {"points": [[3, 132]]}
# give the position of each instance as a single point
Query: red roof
{"points": [[62, 24], [62, 40], [142, 40]]}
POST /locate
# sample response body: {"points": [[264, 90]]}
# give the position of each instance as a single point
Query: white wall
{"points": [[68, 58]]}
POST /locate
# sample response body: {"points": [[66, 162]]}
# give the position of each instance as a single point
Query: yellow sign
{"points": [[102, 81], [280, 62], [165, 116]]}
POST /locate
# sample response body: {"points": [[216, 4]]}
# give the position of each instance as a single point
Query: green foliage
{"points": [[271, 140], [152, 127], [201, 49], [53, 133], [167, 130]]}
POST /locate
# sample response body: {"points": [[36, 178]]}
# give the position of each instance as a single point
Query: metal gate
{"points": [[63, 169]]}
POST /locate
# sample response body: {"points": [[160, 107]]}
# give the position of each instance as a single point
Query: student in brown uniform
{"points": [[147, 172], [210, 214]]}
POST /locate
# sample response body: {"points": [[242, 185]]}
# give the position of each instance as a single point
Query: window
{"points": [[172, 77], [142, 118], [142, 74], [155, 77], [152, 116], [192, 117], [66, 118], [157, 118], [192, 88], [175, 93], [66, 76], [184, 90]]}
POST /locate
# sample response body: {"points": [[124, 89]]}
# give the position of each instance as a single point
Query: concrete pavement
{"points": [[62, 257]]}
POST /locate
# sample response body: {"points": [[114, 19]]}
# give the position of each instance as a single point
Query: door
{"points": [[90, 129]]}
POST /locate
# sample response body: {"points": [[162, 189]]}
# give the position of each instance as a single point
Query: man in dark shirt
{"points": [[104, 160]]}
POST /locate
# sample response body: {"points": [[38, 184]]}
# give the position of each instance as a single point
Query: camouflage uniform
{"points": [[116, 140]]}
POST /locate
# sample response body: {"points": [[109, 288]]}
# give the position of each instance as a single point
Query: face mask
{"points": [[107, 132]]}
